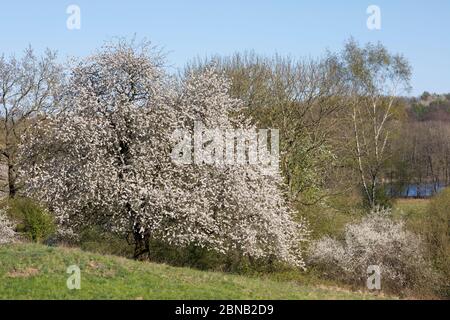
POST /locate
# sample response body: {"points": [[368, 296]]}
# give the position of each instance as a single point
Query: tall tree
{"points": [[108, 159], [376, 78], [301, 98], [28, 87]]}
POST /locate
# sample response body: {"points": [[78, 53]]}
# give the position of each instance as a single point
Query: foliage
{"points": [[376, 77], [382, 196], [419, 110], [197, 257], [34, 222], [376, 240], [301, 98], [330, 216], [437, 235], [105, 159], [95, 239]]}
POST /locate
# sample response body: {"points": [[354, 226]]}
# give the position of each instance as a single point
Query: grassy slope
{"points": [[413, 212], [29, 271]]}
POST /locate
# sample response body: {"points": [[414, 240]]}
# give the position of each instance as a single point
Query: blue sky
{"points": [[186, 29]]}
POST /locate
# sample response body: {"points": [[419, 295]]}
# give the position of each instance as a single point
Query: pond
{"points": [[420, 190]]}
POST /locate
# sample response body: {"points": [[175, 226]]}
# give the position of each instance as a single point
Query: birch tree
{"points": [[377, 78]]}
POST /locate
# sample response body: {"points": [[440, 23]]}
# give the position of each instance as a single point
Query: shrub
{"points": [[436, 229], [382, 197], [34, 221], [7, 233], [194, 256], [376, 240], [96, 239]]}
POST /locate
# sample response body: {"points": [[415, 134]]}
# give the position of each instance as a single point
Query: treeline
{"points": [[338, 114], [344, 126], [420, 165], [429, 107]]}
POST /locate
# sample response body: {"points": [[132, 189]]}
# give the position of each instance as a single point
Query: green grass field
{"points": [[30, 271], [413, 212], [411, 206]]}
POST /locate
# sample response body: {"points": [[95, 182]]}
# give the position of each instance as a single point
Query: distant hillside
{"points": [[429, 107]]}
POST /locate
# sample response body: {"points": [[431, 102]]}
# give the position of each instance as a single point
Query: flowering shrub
{"points": [[7, 233], [376, 240]]}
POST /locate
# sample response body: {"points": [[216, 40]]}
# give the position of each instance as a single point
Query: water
{"points": [[420, 190]]}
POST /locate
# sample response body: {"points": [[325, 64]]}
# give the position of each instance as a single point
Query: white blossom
{"points": [[7, 233], [376, 240]]}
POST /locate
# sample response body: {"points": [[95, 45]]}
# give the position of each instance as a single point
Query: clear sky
{"points": [[186, 29]]}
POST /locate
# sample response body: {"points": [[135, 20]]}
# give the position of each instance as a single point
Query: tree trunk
{"points": [[141, 244], [11, 180]]}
